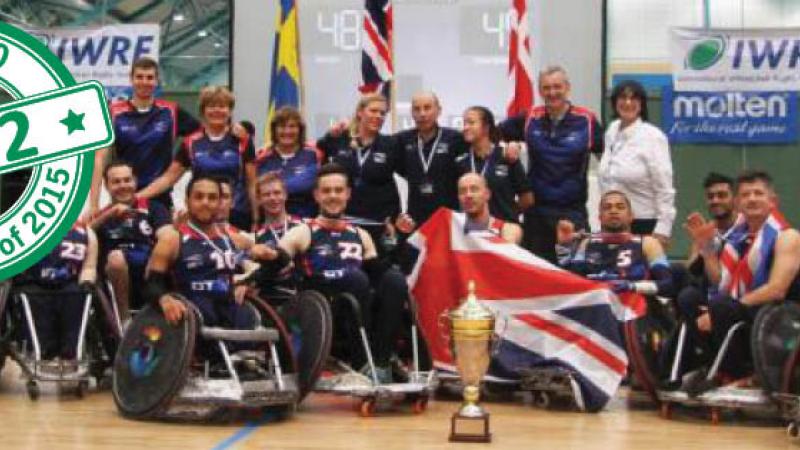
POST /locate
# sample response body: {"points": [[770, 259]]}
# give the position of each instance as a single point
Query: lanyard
{"points": [[362, 159], [278, 236], [426, 164], [228, 245], [485, 164]]}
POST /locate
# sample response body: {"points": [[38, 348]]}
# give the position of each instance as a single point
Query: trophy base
{"points": [[470, 429]]}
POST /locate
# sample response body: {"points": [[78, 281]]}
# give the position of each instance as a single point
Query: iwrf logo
{"points": [[706, 53]]}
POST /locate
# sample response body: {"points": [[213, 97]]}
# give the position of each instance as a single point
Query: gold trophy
{"points": [[471, 329]]}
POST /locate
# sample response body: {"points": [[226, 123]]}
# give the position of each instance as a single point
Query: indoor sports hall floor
{"points": [[328, 422]]}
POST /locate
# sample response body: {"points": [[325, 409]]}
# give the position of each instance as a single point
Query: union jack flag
{"points": [[546, 316], [376, 55], [745, 260]]}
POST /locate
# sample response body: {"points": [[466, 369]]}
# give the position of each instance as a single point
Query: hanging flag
{"points": [[285, 84], [519, 61], [376, 55], [546, 316]]}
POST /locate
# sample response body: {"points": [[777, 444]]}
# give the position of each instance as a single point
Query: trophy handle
{"points": [[497, 338]]}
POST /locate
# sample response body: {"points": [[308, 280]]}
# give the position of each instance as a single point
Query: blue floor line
{"points": [[242, 433]]}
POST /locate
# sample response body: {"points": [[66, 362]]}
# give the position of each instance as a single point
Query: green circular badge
{"points": [[47, 128]]}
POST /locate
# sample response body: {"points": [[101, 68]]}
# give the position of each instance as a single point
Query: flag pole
{"points": [[301, 104], [393, 89]]}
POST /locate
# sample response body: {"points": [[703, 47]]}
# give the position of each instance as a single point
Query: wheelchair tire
{"points": [[773, 341], [645, 340], [309, 320], [271, 319], [152, 363]]}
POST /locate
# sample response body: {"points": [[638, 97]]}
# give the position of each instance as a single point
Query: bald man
{"points": [[428, 158], [474, 196]]}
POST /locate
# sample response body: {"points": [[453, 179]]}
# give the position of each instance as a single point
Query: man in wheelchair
{"points": [[127, 230], [202, 258], [337, 257], [755, 264], [202, 347], [629, 263], [51, 315], [271, 194]]}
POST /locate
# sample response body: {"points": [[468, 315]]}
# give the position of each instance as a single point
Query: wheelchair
{"points": [[773, 340], [159, 375], [309, 315], [97, 340]]}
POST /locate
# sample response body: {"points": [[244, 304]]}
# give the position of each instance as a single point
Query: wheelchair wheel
{"points": [[773, 340], [646, 340], [309, 320], [271, 319], [152, 363]]}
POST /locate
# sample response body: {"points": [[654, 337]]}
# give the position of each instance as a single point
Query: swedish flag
{"points": [[285, 86]]}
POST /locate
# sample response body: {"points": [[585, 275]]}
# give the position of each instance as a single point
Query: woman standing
{"points": [[511, 193], [637, 162], [370, 160], [214, 151], [292, 160]]}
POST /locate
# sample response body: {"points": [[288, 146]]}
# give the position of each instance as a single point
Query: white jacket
{"points": [[637, 162]]}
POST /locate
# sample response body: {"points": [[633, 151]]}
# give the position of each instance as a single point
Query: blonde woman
{"points": [[370, 160], [216, 152]]}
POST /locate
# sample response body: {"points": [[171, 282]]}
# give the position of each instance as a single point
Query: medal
{"points": [[426, 187]]}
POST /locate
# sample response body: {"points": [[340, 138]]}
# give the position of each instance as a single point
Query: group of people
{"points": [[328, 215]]}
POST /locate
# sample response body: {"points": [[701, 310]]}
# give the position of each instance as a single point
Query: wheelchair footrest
{"points": [[259, 334], [546, 379]]}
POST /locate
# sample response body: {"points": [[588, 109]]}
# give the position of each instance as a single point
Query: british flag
{"points": [[546, 316], [745, 261], [376, 55]]}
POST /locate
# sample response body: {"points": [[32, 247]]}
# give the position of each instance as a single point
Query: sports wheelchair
{"points": [[659, 354], [309, 315], [158, 374], [97, 340]]}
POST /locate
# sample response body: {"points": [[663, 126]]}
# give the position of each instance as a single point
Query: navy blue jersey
{"points": [[145, 139], [205, 265], [558, 154], [299, 173], [371, 170], [63, 264], [333, 251], [271, 233], [135, 232], [616, 256], [223, 158], [505, 181], [436, 186]]}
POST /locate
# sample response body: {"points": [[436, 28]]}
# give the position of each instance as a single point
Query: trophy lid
{"points": [[470, 309]]}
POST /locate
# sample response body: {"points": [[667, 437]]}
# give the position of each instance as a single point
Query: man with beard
{"points": [[127, 230], [630, 263], [719, 203], [756, 263], [339, 257]]}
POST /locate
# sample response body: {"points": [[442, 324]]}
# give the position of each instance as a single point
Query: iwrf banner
{"points": [[735, 60], [729, 117], [102, 53]]}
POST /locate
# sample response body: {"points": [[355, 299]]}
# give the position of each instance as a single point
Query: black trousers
{"points": [[724, 313], [57, 315]]}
